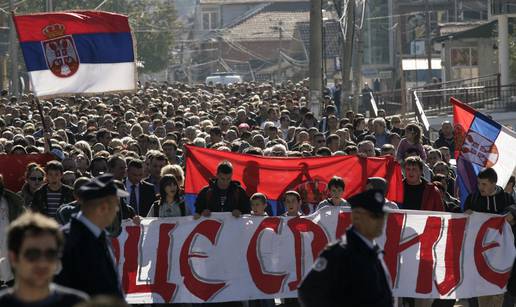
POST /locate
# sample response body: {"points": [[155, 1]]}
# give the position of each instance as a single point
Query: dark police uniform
{"points": [[88, 261], [350, 272]]}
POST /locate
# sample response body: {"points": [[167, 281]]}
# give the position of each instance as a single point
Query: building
{"points": [[264, 40]]}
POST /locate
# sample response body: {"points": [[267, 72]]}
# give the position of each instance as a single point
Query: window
{"points": [[464, 63], [210, 20]]}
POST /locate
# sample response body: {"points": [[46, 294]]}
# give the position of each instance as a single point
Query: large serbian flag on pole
{"points": [[273, 176], [77, 52], [481, 142]]}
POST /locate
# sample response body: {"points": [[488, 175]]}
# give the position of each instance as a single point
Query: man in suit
{"points": [[88, 259], [351, 272], [141, 193]]}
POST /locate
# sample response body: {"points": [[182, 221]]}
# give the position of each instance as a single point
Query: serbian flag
{"points": [[12, 168], [77, 52], [481, 142], [273, 176]]}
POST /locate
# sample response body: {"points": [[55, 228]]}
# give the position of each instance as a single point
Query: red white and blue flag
{"points": [[273, 176], [77, 52], [481, 142]]}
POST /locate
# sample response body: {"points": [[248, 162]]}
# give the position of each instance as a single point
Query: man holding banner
{"points": [[222, 195]]}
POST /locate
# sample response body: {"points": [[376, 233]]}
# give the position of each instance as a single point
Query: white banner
{"points": [[428, 254]]}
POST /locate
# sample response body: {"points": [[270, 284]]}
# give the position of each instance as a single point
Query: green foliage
{"points": [[153, 22]]}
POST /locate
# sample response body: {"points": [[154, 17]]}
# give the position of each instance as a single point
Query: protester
{"points": [[418, 193], [65, 212], [351, 272], [53, 193], [34, 246], [88, 260], [141, 193], [34, 179], [413, 139], [490, 198], [222, 195], [170, 203], [335, 187], [258, 204], [292, 202], [11, 207]]}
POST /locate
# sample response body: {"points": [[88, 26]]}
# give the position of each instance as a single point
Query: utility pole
{"points": [[315, 57], [357, 69], [13, 54], [50, 6], [347, 55], [503, 49], [399, 47], [428, 41]]}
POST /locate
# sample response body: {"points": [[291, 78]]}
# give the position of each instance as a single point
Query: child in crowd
{"points": [[258, 204], [336, 188], [292, 202]]}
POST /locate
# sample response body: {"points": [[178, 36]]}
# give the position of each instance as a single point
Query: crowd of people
{"points": [[139, 139]]}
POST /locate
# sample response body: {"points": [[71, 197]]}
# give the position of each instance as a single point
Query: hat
{"points": [[371, 200], [378, 183], [99, 187], [243, 125]]}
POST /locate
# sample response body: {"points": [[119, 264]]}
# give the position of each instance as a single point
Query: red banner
{"points": [[12, 167], [274, 176]]}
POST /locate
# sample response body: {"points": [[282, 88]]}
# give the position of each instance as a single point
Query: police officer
{"points": [[88, 260], [351, 272]]}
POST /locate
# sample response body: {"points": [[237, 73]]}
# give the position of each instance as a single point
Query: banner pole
{"points": [[44, 124]]}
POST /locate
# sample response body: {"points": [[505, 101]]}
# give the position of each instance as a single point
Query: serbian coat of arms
{"points": [[476, 148], [60, 51]]}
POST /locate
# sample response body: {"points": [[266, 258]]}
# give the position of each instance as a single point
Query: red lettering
{"points": [[343, 222], [484, 269], [268, 283], [320, 240], [427, 240], [161, 285], [452, 255], [203, 289]]}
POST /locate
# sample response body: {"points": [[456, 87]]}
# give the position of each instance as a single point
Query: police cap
{"points": [[371, 200]]}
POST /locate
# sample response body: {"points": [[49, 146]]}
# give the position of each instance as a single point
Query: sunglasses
{"points": [[34, 254], [36, 178]]}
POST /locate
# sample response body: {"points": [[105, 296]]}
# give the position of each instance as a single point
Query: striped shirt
{"points": [[53, 203]]}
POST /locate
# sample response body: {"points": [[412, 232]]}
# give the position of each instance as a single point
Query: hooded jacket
{"points": [[208, 198], [498, 203]]}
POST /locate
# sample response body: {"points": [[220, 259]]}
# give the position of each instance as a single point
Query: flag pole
{"points": [[48, 144]]}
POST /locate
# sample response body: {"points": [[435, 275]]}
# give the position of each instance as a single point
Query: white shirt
{"points": [[5, 268]]}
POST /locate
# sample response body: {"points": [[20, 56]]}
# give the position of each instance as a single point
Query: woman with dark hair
{"points": [[170, 203], [34, 179], [412, 139]]}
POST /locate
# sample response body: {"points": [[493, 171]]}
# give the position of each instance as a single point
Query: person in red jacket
{"points": [[418, 193]]}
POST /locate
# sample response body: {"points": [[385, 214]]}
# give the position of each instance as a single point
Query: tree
{"points": [[153, 22]]}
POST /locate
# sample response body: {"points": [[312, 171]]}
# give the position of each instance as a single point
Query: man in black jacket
{"points": [[141, 193], [351, 272], [88, 260], [222, 195]]}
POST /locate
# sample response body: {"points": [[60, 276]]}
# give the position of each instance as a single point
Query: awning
{"points": [[483, 31]]}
